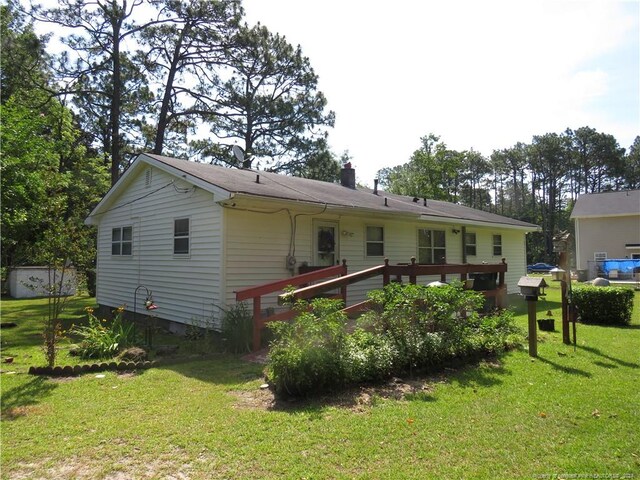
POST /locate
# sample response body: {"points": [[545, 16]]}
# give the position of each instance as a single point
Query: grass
{"points": [[568, 412]]}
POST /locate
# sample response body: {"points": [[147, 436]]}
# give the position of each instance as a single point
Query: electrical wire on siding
{"points": [[293, 221], [138, 199]]}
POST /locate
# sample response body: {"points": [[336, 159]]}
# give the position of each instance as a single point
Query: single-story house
{"points": [[607, 226], [194, 233]]}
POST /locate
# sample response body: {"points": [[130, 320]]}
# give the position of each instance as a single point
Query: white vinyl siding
{"points": [[183, 288]]}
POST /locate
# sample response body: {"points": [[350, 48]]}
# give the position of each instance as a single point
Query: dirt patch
{"points": [[361, 398], [22, 411], [357, 399]]}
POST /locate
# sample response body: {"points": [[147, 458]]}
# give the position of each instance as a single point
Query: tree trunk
{"points": [[116, 100], [166, 100]]}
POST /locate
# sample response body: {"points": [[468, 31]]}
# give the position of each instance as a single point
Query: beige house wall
{"points": [[606, 234], [257, 244]]}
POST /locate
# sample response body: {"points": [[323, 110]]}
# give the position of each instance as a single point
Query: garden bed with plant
{"points": [[409, 329]]}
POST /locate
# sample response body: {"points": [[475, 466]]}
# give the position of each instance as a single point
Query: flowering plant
{"points": [[103, 338]]}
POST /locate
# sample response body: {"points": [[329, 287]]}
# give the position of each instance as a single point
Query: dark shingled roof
{"points": [[607, 204], [284, 187]]}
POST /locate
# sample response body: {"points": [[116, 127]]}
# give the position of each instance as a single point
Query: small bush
{"points": [[368, 357], [237, 328], [423, 324], [103, 338], [603, 305], [308, 354]]}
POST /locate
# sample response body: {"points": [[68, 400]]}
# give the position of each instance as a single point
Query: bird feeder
{"points": [[561, 242], [532, 287], [557, 274]]}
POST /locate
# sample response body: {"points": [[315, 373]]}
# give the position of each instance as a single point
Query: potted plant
{"points": [[547, 324]]}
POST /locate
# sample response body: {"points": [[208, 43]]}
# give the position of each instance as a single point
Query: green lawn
{"points": [[570, 414]]}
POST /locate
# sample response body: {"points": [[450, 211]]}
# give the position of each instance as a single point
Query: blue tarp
{"points": [[623, 265]]}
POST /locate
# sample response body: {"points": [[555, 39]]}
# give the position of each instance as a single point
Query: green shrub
{"points": [[603, 305], [409, 327], [368, 357], [237, 328], [423, 324], [307, 355], [103, 338]]}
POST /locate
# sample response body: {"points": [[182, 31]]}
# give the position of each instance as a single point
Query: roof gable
{"points": [[607, 204]]}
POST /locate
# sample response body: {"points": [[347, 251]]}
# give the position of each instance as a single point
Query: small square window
{"points": [[122, 241]]}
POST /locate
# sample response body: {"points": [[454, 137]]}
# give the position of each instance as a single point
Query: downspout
{"points": [[463, 234]]}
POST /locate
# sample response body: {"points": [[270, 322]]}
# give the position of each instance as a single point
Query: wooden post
{"points": [[533, 332], [501, 274], [257, 324], [385, 274], [343, 290], [413, 278], [565, 305]]}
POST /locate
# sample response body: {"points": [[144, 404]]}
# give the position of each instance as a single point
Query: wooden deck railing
{"points": [[411, 270], [258, 292]]}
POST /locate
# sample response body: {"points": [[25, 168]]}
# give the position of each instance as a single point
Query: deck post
{"points": [[257, 324], [413, 278], [343, 289], [501, 274], [385, 274]]}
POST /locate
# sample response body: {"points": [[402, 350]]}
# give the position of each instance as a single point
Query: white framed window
{"points": [[181, 236], [470, 247], [432, 246], [375, 241], [599, 256], [497, 245], [122, 241]]}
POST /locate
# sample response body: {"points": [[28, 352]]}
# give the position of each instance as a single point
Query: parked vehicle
{"points": [[539, 268]]}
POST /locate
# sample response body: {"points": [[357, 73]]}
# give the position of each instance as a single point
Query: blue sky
{"points": [[482, 75]]}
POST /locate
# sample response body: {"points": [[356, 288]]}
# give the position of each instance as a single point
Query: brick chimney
{"points": [[348, 176]]}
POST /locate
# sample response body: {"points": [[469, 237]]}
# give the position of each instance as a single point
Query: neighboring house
{"points": [[607, 225], [195, 233]]}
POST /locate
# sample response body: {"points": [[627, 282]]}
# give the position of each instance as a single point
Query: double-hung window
{"points": [[497, 245], [181, 236], [375, 242], [470, 243], [432, 248], [122, 241]]}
